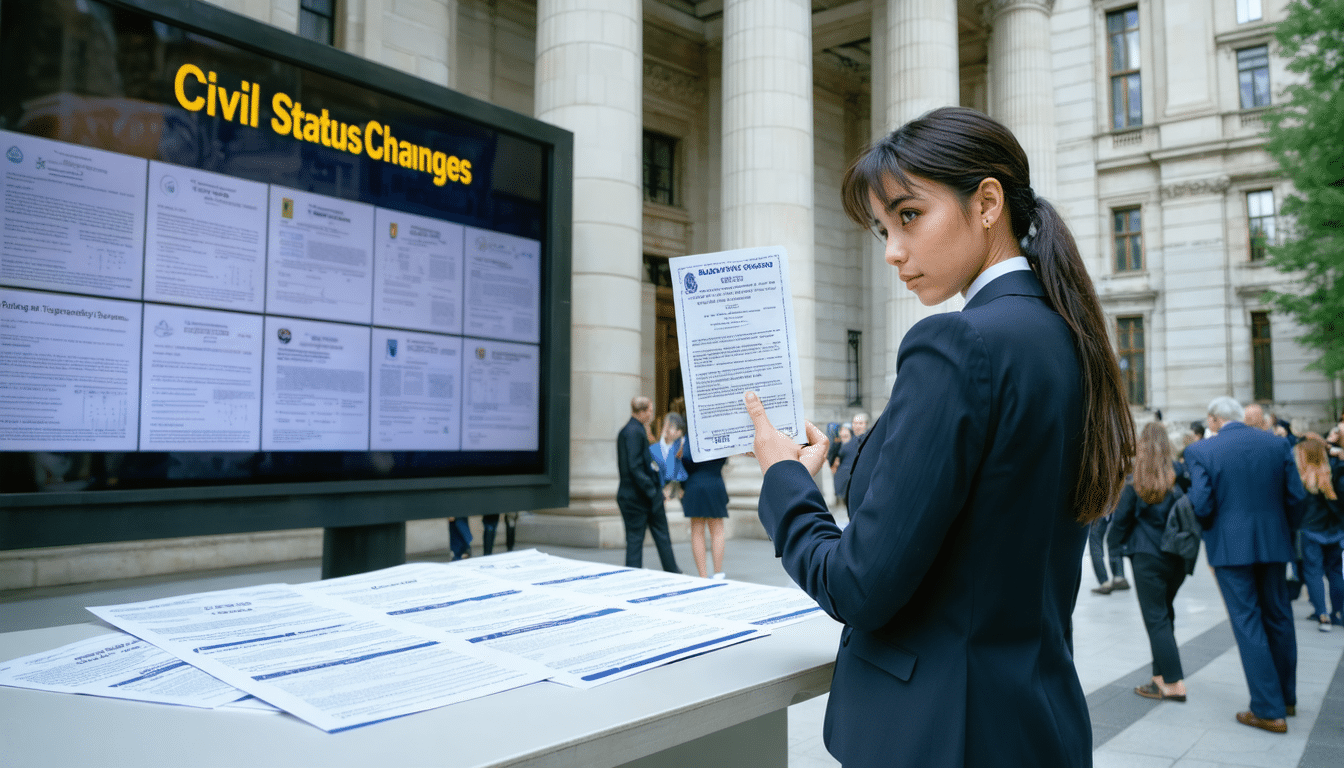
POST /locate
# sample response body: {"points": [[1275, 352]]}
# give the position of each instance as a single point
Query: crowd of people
{"points": [[1268, 502]]}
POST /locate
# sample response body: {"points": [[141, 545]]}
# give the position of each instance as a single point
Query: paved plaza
{"points": [[1112, 648]]}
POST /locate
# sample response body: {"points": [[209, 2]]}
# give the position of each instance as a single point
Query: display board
{"points": [[251, 282]]}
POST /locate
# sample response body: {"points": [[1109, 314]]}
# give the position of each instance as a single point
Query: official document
{"points": [[118, 666], [417, 277], [205, 242], [736, 333], [503, 404], [69, 373], [417, 391], [320, 262], [74, 217], [315, 393], [202, 380], [584, 641], [503, 286], [334, 667], [730, 600]]}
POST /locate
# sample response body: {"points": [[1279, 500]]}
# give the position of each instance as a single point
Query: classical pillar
{"points": [[767, 148], [1021, 93], [921, 54], [589, 79], [920, 72]]}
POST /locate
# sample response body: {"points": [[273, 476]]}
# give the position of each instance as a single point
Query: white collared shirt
{"points": [[1015, 264]]}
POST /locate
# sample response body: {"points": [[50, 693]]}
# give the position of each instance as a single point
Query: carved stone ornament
{"points": [[672, 84], [1215, 186]]}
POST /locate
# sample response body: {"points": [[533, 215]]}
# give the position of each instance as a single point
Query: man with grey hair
{"points": [[1245, 490], [640, 493], [1254, 416]]}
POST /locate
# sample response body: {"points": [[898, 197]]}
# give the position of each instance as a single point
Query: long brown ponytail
{"points": [[959, 148]]}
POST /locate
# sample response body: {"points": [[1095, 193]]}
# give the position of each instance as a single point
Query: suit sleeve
{"points": [[637, 459], [1123, 519], [1201, 490], [931, 447], [1294, 493]]}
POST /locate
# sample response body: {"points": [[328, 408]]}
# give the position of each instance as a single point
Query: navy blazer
{"points": [[960, 567], [639, 483], [1137, 526], [1245, 489]]}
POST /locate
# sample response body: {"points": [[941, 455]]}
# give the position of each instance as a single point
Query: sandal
{"points": [[1151, 691]]}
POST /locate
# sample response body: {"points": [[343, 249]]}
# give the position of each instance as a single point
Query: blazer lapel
{"points": [[1019, 283]]}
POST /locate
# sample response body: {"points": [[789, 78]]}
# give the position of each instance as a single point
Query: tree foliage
{"points": [[1306, 137]]}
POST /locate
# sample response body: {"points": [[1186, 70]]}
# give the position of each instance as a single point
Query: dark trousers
{"points": [[1258, 607], [1321, 558], [1096, 542], [1156, 580], [639, 516]]}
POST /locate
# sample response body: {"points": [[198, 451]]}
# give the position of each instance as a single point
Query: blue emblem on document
{"points": [[163, 330], [14, 154], [690, 282], [391, 348]]}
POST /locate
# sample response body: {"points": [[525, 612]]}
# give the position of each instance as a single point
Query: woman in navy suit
{"points": [[1006, 433]]}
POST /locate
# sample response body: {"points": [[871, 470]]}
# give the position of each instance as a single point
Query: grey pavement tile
{"points": [[1250, 747], [1105, 758], [1149, 737]]}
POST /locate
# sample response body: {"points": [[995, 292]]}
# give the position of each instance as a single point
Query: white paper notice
{"points": [[202, 380], [118, 666], [503, 286], [417, 391], [333, 667], [502, 405], [730, 600], [320, 262], [315, 395], [206, 239], [736, 330], [585, 641], [74, 217], [69, 373], [417, 280]]}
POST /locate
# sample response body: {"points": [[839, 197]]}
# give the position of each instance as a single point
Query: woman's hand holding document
{"points": [[737, 333]]}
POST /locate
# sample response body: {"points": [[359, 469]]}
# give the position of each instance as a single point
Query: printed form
{"points": [[736, 333], [331, 664]]}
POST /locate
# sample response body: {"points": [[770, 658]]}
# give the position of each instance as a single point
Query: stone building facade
{"points": [[702, 126]]}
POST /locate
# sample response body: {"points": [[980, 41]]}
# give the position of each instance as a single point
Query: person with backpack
{"points": [[1138, 527]]}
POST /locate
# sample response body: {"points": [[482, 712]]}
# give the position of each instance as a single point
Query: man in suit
{"points": [[640, 495], [1244, 487]]}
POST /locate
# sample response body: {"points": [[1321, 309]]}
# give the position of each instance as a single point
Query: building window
{"points": [[1253, 76], [1128, 240], [1122, 32], [1130, 336], [1262, 357], [853, 353], [658, 154], [317, 20], [1260, 215], [1248, 10]]}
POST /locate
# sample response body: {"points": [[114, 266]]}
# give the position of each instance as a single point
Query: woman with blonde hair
{"points": [[1136, 531], [1322, 530]]}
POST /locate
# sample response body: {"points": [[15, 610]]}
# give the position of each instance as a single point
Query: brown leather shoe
{"points": [[1278, 725]]}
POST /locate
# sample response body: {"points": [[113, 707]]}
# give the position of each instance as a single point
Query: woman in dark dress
{"points": [[705, 502], [1136, 531]]}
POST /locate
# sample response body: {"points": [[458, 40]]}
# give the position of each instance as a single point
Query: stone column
{"points": [[767, 148], [921, 54], [1021, 92], [920, 73], [590, 80]]}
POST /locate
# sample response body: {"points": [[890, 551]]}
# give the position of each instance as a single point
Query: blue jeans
{"points": [[1321, 557]]}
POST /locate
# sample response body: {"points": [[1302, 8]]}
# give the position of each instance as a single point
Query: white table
{"points": [[725, 708]]}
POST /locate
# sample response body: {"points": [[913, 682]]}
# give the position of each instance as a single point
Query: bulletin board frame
{"points": [[61, 518]]}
